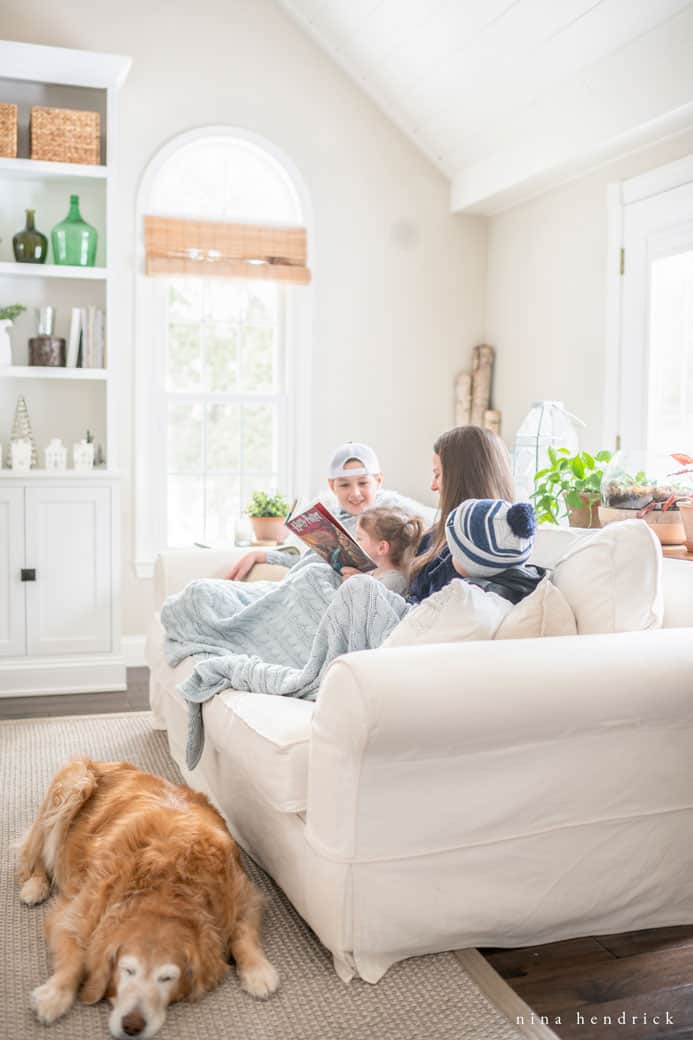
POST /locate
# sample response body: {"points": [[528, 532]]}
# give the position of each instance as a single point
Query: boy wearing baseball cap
{"points": [[354, 477]]}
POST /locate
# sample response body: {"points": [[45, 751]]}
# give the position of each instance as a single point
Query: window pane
{"points": [[221, 353], [225, 299], [185, 299], [258, 438], [224, 437], [184, 359], [261, 303], [671, 353], [223, 508], [184, 438], [257, 358], [185, 519]]}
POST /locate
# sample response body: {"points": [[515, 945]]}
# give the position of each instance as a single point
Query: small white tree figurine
{"points": [[21, 429], [7, 316]]}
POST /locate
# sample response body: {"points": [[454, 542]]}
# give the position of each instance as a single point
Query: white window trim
{"points": [[620, 195], [150, 475]]}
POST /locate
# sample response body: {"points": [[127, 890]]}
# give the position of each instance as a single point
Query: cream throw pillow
{"points": [[545, 612], [457, 613], [613, 579]]}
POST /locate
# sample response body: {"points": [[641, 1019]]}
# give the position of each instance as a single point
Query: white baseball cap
{"points": [[346, 453]]}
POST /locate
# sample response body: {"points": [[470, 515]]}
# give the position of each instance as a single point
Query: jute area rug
{"points": [[436, 997]]}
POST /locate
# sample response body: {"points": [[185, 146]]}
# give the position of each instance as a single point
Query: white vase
{"points": [[5, 345]]}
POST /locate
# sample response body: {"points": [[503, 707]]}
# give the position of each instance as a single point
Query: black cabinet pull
{"points": [[28, 574]]}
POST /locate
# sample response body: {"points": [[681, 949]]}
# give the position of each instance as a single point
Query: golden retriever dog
{"points": [[151, 901]]}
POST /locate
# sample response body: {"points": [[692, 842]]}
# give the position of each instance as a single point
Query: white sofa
{"points": [[497, 793]]}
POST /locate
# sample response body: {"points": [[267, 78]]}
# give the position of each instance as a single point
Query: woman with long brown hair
{"points": [[468, 462]]}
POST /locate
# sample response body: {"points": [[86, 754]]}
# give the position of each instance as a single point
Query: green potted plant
{"points": [[7, 316], [570, 486], [267, 514]]}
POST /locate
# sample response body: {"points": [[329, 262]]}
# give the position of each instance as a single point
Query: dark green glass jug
{"points": [[73, 240], [30, 246]]}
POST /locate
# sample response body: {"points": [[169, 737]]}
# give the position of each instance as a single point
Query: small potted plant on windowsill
{"points": [[267, 514], [571, 483]]}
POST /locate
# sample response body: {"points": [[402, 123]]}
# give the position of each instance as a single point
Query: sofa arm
{"points": [[474, 740], [176, 568]]}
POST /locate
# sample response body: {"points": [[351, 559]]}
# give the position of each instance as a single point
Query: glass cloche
{"points": [[637, 480]]}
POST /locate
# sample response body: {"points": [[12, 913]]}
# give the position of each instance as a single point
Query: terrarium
{"points": [[648, 486]]}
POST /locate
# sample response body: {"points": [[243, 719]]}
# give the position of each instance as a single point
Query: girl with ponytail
{"points": [[391, 539]]}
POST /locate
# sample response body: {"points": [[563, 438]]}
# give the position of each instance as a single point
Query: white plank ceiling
{"points": [[465, 78]]}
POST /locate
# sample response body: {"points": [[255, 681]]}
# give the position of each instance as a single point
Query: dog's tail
{"points": [[69, 790]]}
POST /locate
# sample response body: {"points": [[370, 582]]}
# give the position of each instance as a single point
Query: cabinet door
{"points": [[12, 608], [68, 543]]}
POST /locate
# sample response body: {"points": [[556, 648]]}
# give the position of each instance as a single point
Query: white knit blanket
{"points": [[268, 637]]}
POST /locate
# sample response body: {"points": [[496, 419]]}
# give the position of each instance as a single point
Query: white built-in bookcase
{"points": [[62, 402]]}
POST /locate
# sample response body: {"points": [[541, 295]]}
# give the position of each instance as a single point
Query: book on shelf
{"points": [[322, 531], [86, 344]]}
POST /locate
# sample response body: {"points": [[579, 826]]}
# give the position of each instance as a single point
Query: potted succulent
{"points": [[7, 316], [267, 514], [570, 486]]}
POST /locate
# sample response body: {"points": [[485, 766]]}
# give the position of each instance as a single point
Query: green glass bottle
{"points": [[73, 240], [30, 246]]}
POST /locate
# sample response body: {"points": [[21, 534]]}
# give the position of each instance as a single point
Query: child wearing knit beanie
{"points": [[490, 541]]}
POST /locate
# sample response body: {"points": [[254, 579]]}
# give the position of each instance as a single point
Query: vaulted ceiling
{"points": [[507, 96]]}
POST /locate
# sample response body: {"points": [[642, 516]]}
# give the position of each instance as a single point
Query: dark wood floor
{"points": [[582, 986], [135, 698], [587, 989]]}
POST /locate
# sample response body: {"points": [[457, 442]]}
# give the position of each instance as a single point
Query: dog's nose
{"points": [[133, 1023]]}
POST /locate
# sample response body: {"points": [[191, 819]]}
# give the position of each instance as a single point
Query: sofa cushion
{"points": [[457, 613], [545, 612], [613, 579], [268, 737]]}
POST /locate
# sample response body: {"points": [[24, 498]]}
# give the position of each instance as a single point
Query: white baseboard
{"points": [[26, 677], [132, 648]]}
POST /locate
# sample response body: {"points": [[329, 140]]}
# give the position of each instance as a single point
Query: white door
{"points": [[12, 607], [68, 544], [656, 386]]}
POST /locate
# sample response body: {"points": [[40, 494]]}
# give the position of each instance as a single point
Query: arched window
{"points": [[218, 401]]}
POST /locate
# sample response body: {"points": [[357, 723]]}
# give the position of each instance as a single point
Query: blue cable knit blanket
{"points": [[269, 637]]}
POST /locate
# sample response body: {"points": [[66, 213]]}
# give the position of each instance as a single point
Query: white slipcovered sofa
{"points": [[495, 793]]}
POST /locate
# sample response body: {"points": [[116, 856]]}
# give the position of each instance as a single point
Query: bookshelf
{"points": [[60, 633]]}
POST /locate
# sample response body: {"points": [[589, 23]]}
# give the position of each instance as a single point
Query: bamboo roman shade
{"points": [[214, 249]]}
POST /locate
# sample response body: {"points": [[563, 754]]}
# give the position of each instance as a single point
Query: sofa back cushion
{"points": [[457, 613], [612, 579], [545, 612]]}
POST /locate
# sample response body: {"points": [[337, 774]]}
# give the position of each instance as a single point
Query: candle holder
{"points": [[56, 456], [20, 455], [83, 456]]}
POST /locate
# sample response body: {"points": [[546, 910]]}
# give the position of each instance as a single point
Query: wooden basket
{"points": [[8, 131], [65, 135]]}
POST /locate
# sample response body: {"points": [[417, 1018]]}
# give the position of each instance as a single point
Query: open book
{"points": [[322, 531]]}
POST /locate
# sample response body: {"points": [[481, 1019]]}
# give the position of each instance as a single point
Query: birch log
{"points": [[482, 376]]}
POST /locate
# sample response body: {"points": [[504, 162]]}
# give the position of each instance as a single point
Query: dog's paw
{"points": [[50, 1001], [261, 980], [35, 890]]}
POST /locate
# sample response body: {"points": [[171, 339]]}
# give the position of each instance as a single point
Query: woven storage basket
{"points": [[65, 135], [8, 131]]}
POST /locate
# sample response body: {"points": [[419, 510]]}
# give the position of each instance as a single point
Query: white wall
{"points": [[546, 293], [399, 282]]}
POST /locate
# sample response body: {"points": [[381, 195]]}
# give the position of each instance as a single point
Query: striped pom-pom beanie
{"points": [[487, 535]]}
